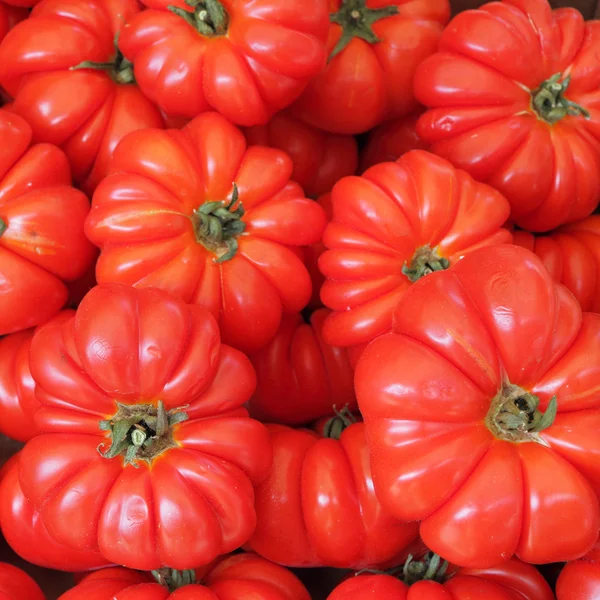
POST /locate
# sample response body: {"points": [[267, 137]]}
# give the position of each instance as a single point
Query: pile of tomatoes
{"points": [[292, 284]]}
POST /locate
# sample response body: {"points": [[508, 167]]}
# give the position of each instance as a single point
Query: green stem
{"points": [[208, 17], [3, 227], [424, 261], [173, 579], [549, 101], [335, 426], [120, 69]]}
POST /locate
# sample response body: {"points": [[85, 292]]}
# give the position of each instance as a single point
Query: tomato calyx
{"points": [[514, 415], [334, 427], [424, 261], [120, 69], [140, 432], [356, 20], [218, 224], [209, 17], [549, 103], [173, 579], [430, 567], [3, 227]]}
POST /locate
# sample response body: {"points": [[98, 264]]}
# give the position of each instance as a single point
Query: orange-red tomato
{"points": [[514, 99], [374, 48], [580, 580], [17, 585], [460, 406], [10, 14], [42, 244]]}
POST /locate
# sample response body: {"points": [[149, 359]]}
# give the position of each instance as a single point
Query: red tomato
{"points": [[10, 15], [17, 585], [300, 376], [236, 577], [168, 217], [26, 534], [374, 48], [461, 414], [42, 244], [318, 508], [319, 158], [514, 97], [514, 580], [389, 141], [84, 111], [244, 59], [396, 223], [146, 453], [580, 580]]}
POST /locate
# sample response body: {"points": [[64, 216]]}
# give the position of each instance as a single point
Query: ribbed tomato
{"points": [[17, 585], [10, 15], [580, 580]]}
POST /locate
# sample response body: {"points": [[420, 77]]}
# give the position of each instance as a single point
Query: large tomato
{"points": [[514, 93], [580, 580], [236, 577], [146, 453], [318, 508], [202, 215], [300, 377], [374, 49], [396, 223], [83, 110], [17, 585], [319, 158], [10, 15], [460, 404], [430, 579], [244, 59], [42, 244]]}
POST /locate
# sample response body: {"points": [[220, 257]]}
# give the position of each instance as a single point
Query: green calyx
{"points": [[549, 101], [357, 20], [173, 579], [3, 227], [120, 69], [208, 17], [429, 568], [336, 425], [218, 224], [140, 432], [425, 261]]}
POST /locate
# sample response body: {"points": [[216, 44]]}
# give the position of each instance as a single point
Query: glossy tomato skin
{"points": [[580, 580], [299, 376], [318, 507], [481, 117], [381, 219], [42, 243], [366, 84], [17, 585], [496, 318], [259, 65], [10, 15], [143, 219], [136, 347], [82, 111]]}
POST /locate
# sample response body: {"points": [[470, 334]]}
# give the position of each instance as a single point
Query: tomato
{"points": [[85, 111], [42, 244], [9, 16], [319, 158], [200, 214], [511, 581], [374, 48], [461, 415], [318, 508], [17, 585], [24, 530], [244, 59], [514, 100], [580, 580], [236, 577], [300, 377], [390, 141], [396, 223], [146, 453]]}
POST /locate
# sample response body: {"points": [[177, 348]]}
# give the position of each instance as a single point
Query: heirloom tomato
{"points": [[580, 580], [318, 508], [398, 222], [145, 452], [483, 407], [244, 59], [200, 214], [17, 585], [42, 244], [514, 99], [25, 532], [319, 158], [72, 84], [432, 579], [374, 48], [299, 376], [10, 15], [236, 577]]}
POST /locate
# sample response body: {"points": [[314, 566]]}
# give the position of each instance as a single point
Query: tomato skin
{"points": [[9, 16], [256, 68], [380, 220], [134, 347], [495, 317], [147, 235], [82, 111], [580, 579], [481, 115], [17, 585], [43, 245], [320, 158]]}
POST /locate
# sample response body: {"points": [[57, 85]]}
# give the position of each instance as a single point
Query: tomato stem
{"points": [[424, 261], [430, 567], [208, 17], [3, 227], [120, 69], [173, 579], [336, 425], [549, 101], [357, 20]]}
